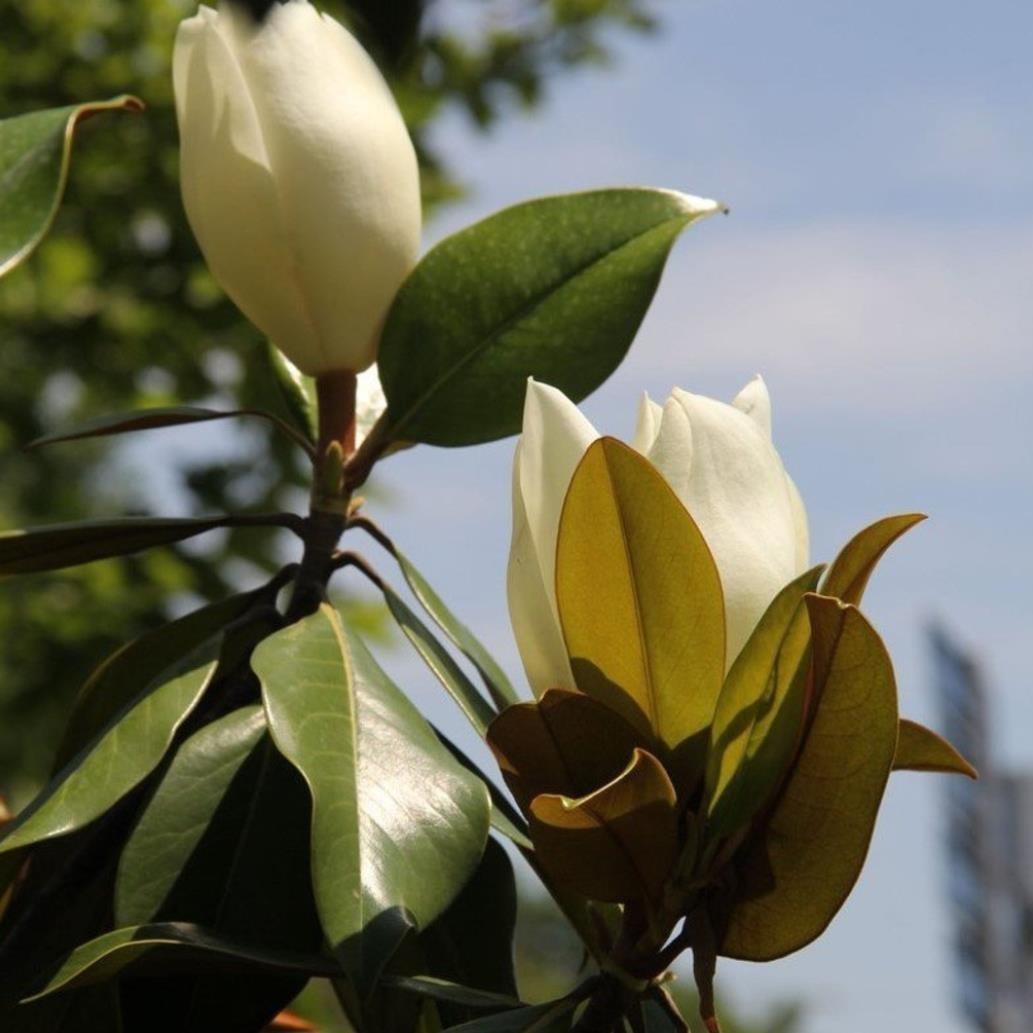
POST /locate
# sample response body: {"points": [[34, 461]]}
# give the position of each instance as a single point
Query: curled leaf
{"points": [[921, 749], [848, 575]]}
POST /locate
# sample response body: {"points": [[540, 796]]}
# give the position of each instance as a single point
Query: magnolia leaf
{"points": [[452, 993], [398, 825], [565, 743], [797, 871], [921, 749], [848, 575], [128, 672], [99, 777], [760, 711], [477, 710], [187, 947], [298, 392], [537, 1018], [68, 545], [181, 811], [554, 288], [617, 844], [640, 602], [502, 692], [35, 150], [152, 419]]}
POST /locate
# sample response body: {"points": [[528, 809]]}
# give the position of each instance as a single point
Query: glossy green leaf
{"points": [[921, 749], [537, 1018], [794, 876], [398, 825], [848, 575], [153, 419], [759, 713], [185, 946], [181, 812], [553, 288], [477, 710], [640, 602], [565, 743], [67, 545], [298, 392], [119, 761], [35, 150], [495, 680], [128, 672], [617, 844]]}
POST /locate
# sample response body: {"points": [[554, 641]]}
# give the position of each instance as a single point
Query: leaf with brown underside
{"points": [[640, 602], [616, 844], [848, 575], [565, 743], [921, 749], [795, 873]]}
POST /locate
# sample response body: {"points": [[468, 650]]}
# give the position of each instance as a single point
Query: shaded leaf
{"points": [[500, 687], [67, 545], [397, 825], [100, 776], [298, 392], [537, 1018], [554, 288], [451, 993], [180, 945], [799, 869], [35, 150], [640, 601], [921, 749], [565, 743], [848, 575], [617, 844], [759, 713]]}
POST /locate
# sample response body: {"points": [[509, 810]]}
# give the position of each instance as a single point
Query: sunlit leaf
{"points": [[619, 843], [759, 713], [640, 602], [794, 876], [102, 775], [553, 288], [35, 150], [397, 825], [921, 749], [848, 575]]}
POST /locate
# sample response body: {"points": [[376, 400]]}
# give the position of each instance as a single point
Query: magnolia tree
{"points": [[243, 800]]}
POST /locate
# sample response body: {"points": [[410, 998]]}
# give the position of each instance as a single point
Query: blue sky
{"points": [[878, 159]]}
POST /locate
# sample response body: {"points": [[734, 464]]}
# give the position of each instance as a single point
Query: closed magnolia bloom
{"points": [[720, 461], [299, 178]]}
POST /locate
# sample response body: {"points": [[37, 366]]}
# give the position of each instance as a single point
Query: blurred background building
{"points": [[989, 841]]}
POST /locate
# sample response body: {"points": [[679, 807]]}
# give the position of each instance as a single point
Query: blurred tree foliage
{"points": [[117, 310]]}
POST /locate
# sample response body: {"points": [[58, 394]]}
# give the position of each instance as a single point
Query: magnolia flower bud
{"points": [[299, 178], [721, 463]]}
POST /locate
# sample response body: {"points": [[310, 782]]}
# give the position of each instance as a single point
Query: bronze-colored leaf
{"points": [[565, 743], [848, 576], [616, 844], [640, 602], [921, 749], [795, 873]]}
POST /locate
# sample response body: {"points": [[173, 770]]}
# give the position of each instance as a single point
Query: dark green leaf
{"points": [[298, 391], [398, 825], [99, 777], [538, 1018], [452, 993], [188, 947], [34, 154], [500, 687], [553, 288]]}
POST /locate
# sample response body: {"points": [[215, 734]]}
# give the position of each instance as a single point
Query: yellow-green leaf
{"points": [[921, 749], [796, 872], [566, 743], [848, 576], [760, 711], [640, 602], [616, 844]]}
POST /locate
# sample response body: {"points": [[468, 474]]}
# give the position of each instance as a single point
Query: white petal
{"points": [[531, 607], [736, 490], [671, 453], [801, 527], [555, 437], [755, 402], [647, 425]]}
